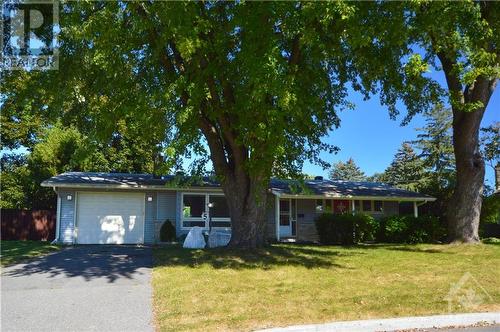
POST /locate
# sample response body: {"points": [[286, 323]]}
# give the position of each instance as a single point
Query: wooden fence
{"points": [[37, 225]]}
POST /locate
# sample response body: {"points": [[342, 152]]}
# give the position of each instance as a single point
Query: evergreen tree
{"points": [[490, 149], [376, 177], [435, 143], [347, 171], [406, 170], [490, 144]]}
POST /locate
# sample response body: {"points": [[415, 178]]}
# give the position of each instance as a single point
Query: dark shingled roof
{"points": [[341, 188], [291, 187], [127, 179]]}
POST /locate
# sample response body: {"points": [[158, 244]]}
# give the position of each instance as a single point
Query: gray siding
{"points": [[149, 218], [306, 213], [391, 208], [168, 205], [271, 216], [67, 217], [178, 214], [166, 209]]}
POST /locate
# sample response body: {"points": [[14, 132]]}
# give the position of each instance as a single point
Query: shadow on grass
{"points": [[16, 251], [267, 258], [404, 247]]}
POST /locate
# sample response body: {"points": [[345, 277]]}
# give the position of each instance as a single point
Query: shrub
{"points": [[167, 231], [491, 240], [490, 217], [365, 227], [345, 228], [408, 229], [490, 210]]}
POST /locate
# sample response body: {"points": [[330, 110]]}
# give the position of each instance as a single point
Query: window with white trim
{"points": [[219, 211], [378, 206], [204, 210], [367, 206], [193, 207], [319, 206]]}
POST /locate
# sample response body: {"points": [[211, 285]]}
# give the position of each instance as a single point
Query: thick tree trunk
{"points": [[247, 207], [464, 209], [245, 191]]}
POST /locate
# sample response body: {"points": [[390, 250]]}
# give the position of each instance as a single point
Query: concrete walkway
{"points": [[404, 323], [82, 288]]}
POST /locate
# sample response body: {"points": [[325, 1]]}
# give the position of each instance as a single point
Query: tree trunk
{"points": [[247, 207], [464, 209]]}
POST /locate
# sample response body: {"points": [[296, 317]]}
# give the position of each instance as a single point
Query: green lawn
{"points": [[16, 251], [297, 284]]}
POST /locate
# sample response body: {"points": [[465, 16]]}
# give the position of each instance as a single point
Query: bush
{"points": [[491, 240], [408, 229], [490, 217], [167, 232], [490, 210], [345, 228]]}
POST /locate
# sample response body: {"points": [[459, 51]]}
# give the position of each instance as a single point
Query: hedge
{"points": [[345, 228], [348, 229]]}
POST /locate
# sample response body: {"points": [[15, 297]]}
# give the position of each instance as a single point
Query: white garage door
{"points": [[110, 218]]}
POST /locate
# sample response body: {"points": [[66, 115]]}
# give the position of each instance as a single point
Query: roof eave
{"points": [[378, 198], [123, 186]]}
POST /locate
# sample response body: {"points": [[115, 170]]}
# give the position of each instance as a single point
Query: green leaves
{"points": [[268, 77], [347, 171]]}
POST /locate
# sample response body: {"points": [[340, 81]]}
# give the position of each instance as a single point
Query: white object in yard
{"points": [[218, 239], [195, 239]]}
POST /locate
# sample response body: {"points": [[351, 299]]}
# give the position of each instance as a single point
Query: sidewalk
{"points": [[394, 324]]}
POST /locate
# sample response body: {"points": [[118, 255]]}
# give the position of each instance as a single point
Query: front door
{"points": [[287, 207]]}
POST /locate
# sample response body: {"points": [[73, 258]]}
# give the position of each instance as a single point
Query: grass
{"points": [[17, 251], [282, 285]]}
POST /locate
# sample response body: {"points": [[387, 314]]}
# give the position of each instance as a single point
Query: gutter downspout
{"points": [[277, 215], [58, 214]]}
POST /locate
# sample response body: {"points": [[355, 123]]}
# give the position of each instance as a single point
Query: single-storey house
{"points": [[116, 208]]}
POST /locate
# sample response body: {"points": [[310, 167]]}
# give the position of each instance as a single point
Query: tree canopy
{"points": [[347, 171], [252, 87]]}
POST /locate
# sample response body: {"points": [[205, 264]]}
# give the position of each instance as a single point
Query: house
{"points": [[115, 208]]}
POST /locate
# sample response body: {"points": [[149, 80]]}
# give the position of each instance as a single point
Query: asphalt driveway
{"points": [[82, 288]]}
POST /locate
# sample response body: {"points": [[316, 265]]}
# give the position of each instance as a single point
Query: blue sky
{"points": [[371, 138]]}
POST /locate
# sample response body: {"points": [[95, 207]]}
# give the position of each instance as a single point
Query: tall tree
{"points": [[435, 143], [460, 39], [259, 84], [60, 149], [347, 171], [255, 84], [465, 38], [490, 144], [406, 170]]}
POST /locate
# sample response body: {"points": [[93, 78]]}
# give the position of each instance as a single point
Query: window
{"points": [[196, 211], [329, 205], [367, 206], [341, 206], [219, 212], [378, 206], [193, 223], [319, 206], [219, 208], [193, 206]]}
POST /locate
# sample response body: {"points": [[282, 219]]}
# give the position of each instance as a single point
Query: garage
{"points": [[110, 218]]}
